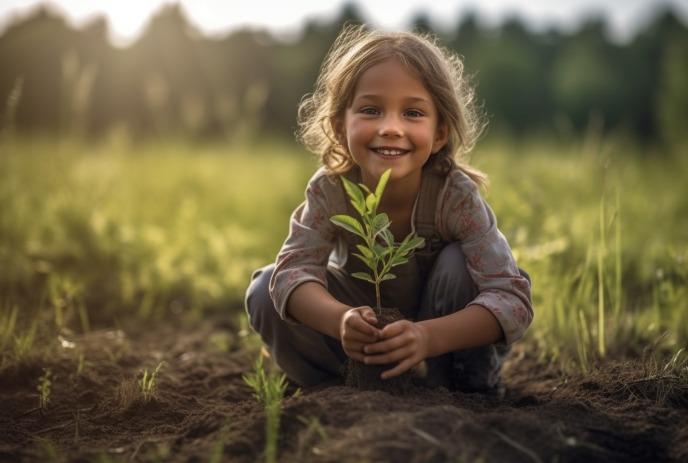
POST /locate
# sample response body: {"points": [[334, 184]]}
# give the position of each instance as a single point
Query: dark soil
{"points": [[203, 411]]}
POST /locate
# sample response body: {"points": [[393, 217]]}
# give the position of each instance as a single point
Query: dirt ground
{"points": [[203, 410]]}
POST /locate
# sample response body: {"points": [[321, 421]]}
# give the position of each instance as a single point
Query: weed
{"points": [[80, 364], [44, 387], [148, 383], [268, 389]]}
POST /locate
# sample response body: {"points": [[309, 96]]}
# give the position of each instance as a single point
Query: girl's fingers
{"points": [[369, 316], [354, 350], [386, 346], [355, 336], [397, 370], [353, 346], [362, 326], [394, 329]]}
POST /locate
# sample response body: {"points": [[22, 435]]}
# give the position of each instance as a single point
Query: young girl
{"points": [[393, 101]]}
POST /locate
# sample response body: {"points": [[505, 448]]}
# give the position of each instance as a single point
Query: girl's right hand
{"points": [[356, 330]]}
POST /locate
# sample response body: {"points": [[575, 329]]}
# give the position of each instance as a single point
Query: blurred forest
{"points": [[173, 79]]}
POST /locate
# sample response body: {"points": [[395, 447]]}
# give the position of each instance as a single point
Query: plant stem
{"points": [[377, 297]]}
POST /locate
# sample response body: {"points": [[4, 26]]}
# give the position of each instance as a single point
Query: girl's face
{"points": [[392, 123]]}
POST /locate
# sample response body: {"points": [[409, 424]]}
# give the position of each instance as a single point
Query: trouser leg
{"points": [[450, 288], [307, 356]]}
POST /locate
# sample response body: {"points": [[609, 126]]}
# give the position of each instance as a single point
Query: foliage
{"points": [[379, 252], [58, 78]]}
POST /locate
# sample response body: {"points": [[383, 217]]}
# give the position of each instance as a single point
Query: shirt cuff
{"points": [[511, 315], [282, 307]]}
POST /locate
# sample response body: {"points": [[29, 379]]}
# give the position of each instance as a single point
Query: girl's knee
{"points": [[451, 264], [258, 302], [450, 285]]}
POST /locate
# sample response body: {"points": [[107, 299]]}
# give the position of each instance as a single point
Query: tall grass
{"points": [[95, 234]]}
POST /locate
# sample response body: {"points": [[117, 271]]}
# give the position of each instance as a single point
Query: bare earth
{"points": [[203, 411]]}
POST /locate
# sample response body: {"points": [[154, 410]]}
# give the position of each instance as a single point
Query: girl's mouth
{"points": [[390, 153]]}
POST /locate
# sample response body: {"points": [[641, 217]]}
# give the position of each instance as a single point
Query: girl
{"points": [[393, 100]]}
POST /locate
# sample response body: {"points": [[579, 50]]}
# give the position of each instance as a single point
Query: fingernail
{"points": [[365, 350]]}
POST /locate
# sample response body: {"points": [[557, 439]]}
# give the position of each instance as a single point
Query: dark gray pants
{"points": [[309, 357]]}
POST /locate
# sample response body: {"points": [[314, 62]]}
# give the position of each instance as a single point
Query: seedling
{"points": [[44, 384], [148, 384], [379, 252], [268, 389]]}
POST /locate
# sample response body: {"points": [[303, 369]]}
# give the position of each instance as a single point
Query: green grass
{"points": [[93, 235], [268, 389]]}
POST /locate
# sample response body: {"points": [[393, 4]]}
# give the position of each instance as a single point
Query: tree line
{"points": [[174, 79]]}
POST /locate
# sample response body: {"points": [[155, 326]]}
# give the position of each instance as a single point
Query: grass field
{"points": [[119, 234], [91, 235]]}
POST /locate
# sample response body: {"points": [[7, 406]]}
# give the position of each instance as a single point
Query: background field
{"points": [[121, 233]]}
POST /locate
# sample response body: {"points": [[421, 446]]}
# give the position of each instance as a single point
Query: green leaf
{"points": [[416, 242], [370, 263], [365, 251], [382, 183], [389, 276], [380, 251], [365, 188], [371, 203], [380, 222], [388, 236], [348, 223], [398, 260], [355, 195], [363, 276], [410, 243]]}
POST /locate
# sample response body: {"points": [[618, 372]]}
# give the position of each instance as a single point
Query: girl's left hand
{"points": [[403, 341]]}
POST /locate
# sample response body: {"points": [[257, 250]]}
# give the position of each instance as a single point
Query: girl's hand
{"points": [[356, 330], [403, 341]]}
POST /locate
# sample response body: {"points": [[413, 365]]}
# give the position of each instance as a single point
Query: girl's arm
{"points": [[473, 326], [503, 291], [304, 254], [312, 305]]}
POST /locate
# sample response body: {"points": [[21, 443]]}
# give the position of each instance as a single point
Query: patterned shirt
{"points": [[461, 215]]}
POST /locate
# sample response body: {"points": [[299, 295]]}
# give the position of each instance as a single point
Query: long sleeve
{"points": [[304, 255], [464, 216]]}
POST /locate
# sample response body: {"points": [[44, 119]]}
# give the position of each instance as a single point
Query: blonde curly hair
{"points": [[357, 49]]}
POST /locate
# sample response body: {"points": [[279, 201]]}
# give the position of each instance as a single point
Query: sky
{"points": [[127, 18]]}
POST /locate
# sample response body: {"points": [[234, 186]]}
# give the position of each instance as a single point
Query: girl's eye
{"points": [[368, 110], [414, 113]]}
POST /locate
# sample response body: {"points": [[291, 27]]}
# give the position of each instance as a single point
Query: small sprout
{"points": [[148, 384], [379, 252], [268, 389], [80, 364], [44, 385]]}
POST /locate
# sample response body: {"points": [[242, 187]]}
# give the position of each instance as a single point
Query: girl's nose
{"points": [[390, 126]]}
